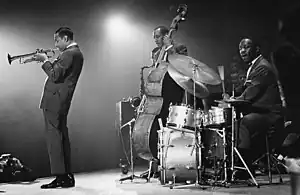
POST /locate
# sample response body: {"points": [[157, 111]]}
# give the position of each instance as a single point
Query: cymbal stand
{"points": [[132, 176], [196, 146], [234, 150]]}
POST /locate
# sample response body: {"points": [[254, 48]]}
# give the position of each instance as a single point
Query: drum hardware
{"points": [[234, 137], [197, 136], [216, 155], [160, 153], [132, 176]]}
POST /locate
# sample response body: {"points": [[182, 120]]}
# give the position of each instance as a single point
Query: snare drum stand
{"points": [[132, 176], [234, 150], [196, 145], [224, 165]]}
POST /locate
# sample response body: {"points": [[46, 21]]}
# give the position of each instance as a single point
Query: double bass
{"points": [[144, 135]]}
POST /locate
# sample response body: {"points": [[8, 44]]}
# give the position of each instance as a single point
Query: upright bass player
{"points": [[171, 91]]}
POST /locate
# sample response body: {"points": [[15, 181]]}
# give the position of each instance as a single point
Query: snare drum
{"points": [[216, 117], [181, 116]]}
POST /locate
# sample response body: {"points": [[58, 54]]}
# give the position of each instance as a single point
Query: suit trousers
{"points": [[253, 128], [58, 143]]}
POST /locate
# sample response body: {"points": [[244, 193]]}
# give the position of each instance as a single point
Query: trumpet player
{"points": [[59, 88]]}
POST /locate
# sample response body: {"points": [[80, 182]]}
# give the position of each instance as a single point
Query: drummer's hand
{"points": [[225, 96], [232, 98]]}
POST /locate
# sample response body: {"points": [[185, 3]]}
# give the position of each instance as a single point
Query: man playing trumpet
{"points": [[59, 88]]}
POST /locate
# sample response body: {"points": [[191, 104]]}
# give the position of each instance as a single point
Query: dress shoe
{"points": [[60, 182], [71, 177]]}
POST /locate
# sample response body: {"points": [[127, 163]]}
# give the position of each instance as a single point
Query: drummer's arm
{"points": [[258, 84]]}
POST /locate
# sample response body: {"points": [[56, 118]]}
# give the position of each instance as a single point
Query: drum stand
{"points": [[196, 146], [234, 150], [132, 176], [223, 134]]}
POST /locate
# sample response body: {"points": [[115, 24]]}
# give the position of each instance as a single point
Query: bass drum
{"points": [[179, 156]]}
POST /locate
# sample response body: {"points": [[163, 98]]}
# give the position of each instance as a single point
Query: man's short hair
{"points": [[254, 41], [65, 31], [163, 30]]}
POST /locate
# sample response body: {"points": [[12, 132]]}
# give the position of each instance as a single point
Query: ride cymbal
{"points": [[187, 83], [186, 64]]}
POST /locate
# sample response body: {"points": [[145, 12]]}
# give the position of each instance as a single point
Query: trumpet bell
{"points": [[9, 58]]}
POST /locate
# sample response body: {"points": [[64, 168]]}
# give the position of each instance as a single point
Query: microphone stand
{"points": [[132, 176]]}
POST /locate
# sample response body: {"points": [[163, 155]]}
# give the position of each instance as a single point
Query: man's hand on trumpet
{"points": [[40, 56]]}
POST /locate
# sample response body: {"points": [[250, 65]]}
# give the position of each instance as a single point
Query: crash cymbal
{"points": [[187, 83], [185, 64]]}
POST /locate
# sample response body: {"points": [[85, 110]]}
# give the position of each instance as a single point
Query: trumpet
{"points": [[22, 58]]}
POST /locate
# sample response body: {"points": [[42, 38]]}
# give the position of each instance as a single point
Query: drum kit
{"points": [[196, 145]]}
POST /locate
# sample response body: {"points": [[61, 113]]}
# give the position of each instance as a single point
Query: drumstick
{"points": [[221, 73]]}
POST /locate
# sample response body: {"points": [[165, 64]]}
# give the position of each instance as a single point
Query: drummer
{"points": [[265, 110]]}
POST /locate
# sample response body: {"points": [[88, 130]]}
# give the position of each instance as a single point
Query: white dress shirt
{"points": [[251, 65]]}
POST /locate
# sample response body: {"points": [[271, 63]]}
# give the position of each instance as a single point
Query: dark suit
{"points": [[265, 110], [59, 88]]}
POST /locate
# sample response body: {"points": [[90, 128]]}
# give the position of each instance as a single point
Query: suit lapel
{"points": [[252, 70]]}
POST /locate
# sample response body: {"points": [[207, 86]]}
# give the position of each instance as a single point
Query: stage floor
{"points": [[106, 183]]}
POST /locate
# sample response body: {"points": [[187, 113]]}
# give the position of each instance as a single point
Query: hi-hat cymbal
{"points": [[185, 65], [187, 83]]}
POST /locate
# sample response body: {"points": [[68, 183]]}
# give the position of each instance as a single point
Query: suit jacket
{"points": [[63, 75], [261, 88]]}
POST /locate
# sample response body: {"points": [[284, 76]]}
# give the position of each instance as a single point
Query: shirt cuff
{"points": [[47, 60], [168, 47]]}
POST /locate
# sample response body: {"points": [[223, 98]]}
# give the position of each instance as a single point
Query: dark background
{"points": [[113, 57]]}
